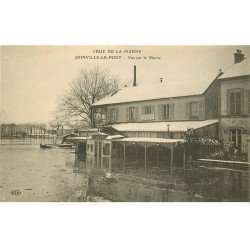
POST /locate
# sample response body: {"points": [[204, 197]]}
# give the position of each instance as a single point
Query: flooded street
{"points": [[29, 173], [39, 174]]}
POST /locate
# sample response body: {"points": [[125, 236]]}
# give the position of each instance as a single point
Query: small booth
{"points": [[94, 149]]}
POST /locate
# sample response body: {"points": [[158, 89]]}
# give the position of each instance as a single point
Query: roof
{"points": [[100, 133], [150, 139], [162, 126], [158, 91], [89, 130], [78, 138], [111, 137], [71, 135], [51, 128], [237, 69], [64, 127]]}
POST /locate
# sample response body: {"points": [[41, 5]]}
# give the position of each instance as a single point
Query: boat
{"points": [[65, 145], [46, 146]]}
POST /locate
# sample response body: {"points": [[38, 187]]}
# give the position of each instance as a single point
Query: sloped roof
{"points": [[177, 88], [237, 69], [162, 126], [100, 133], [88, 130]]}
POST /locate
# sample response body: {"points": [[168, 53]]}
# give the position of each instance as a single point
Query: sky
{"points": [[33, 78]]}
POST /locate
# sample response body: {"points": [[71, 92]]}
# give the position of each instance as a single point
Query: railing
{"points": [[220, 152]]}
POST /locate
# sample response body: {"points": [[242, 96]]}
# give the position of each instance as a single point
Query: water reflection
{"points": [[61, 175], [152, 184]]}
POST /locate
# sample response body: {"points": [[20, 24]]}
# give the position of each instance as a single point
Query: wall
{"points": [[237, 83], [179, 112], [248, 148], [243, 121], [212, 101], [227, 123]]}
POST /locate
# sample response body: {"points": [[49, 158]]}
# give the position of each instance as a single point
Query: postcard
{"points": [[125, 123]]}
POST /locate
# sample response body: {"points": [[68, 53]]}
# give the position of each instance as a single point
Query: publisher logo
{"points": [[15, 192]]}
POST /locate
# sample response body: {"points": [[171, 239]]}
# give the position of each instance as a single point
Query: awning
{"points": [[162, 126], [112, 137], [150, 139]]}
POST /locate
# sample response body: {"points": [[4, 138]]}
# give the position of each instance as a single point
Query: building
{"points": [[160, 110], [218, 108], [64, 130], [234, 93]]}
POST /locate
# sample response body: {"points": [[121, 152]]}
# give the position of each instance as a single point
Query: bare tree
{"points": [[88, 87]]}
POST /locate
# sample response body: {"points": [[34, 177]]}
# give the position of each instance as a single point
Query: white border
{"points": [[124, 226]]}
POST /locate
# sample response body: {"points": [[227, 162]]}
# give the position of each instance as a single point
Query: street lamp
{"points": [[168, 128]]}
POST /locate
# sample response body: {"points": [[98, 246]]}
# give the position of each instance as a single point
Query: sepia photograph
{"points": [[118, 123]]}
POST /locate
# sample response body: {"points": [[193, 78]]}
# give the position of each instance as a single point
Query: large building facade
{"points": [[235, 105], [218, 108]]}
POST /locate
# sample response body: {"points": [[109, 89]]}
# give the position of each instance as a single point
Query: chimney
{"points": [[134, 83], [238, 56], [220, 73], [161, 79]]}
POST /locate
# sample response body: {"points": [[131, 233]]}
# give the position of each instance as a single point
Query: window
{"points": [[235, 102], [132, 113], [248, 101], [165, 111], [112, 114], [235, 138], [147, 110], [194, 109], [106, 149]]}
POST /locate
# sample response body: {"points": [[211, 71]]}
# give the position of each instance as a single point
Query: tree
{"points": [[88, 87]]}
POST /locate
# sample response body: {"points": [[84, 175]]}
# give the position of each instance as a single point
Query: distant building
{"points": [[87, 132], [64, 130], [51, 131]]}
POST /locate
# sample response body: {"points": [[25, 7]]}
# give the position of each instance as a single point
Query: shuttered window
{"points": [[235, 102], [147, 110], [171, 111], [195, 110], [112, 115], [131, 113], [248, 101], [117, 114], [165, 111], [187, 110]]}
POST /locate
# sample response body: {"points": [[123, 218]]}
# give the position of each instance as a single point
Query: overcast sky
{"points": [[34, 77]]}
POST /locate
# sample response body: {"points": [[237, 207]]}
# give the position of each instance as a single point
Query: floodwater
{"points": [[28, 173], [39, 174]]}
